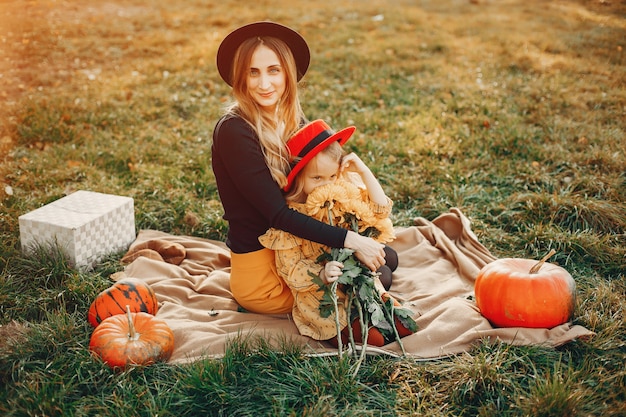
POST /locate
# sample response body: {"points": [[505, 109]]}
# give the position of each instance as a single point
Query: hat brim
{"points": [[230, 44], [341, 136]]}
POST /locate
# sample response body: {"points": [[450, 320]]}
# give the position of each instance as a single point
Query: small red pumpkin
{"points": [[133, 292], [132, 339], [513, 292]]}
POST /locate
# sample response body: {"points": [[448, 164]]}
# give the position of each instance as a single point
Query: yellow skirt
{"points": [[255, 284]]}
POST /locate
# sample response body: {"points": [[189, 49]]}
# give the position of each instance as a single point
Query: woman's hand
{"points": [[366, 249], [331, 272]]}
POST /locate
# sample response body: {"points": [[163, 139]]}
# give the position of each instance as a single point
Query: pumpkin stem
{"points": [[536, 267], [132, 334]]}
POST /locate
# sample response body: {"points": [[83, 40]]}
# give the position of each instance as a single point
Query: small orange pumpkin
{"points": [[512, 292], [132, 339], [133, 292]]}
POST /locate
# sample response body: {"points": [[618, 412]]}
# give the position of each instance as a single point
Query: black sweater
{"points": [[253, 202]]}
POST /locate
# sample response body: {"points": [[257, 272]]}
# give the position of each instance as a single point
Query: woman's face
{"points": [[266, 78]]}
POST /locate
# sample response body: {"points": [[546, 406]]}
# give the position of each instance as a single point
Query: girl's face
{"points": [[266, 78], [321, 170]]}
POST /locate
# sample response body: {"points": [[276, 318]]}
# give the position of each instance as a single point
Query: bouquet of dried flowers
{"points": [[340, 204]]}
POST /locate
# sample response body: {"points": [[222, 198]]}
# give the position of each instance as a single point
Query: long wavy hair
{"points": [[273, 130]]}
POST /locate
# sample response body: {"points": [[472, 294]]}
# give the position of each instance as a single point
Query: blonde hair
{"points": [[272, 131], [296, 194]]}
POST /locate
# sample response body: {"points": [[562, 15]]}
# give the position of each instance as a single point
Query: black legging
{"points": [[391, 263]]}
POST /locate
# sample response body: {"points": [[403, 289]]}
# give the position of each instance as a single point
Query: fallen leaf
{"points": [[394, 374]]}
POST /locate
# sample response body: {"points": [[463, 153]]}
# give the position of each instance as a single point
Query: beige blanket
{"points": [[439, 261]]}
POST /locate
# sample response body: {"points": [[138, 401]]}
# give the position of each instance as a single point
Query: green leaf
{"points": [[327, 306], [406, 318], [341, 254], [348, 275]]}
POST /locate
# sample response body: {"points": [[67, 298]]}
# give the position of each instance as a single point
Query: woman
{"points": [[263, 63]]}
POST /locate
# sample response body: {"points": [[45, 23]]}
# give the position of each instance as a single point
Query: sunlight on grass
{"points": [[512, 111], [553, 395]]}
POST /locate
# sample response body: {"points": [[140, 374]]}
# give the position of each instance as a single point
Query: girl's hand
{"points": [[352, 162], [331, 272]]}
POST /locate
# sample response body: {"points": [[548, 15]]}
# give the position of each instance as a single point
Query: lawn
{"points": [[514, 111]]}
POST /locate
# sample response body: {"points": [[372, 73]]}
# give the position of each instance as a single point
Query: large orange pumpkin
{"points": [[132, 339], [133, 292], [513, 292]]}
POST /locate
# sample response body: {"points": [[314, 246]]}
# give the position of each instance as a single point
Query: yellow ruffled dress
{"points": [[295, 258]]}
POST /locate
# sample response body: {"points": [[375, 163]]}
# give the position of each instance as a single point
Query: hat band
{"points": [[319, 138]]}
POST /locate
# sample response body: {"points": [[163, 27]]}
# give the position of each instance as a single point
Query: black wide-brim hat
{"points": [[232, 41]]}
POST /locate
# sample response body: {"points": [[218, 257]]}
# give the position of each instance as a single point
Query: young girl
{"points": [[263, 63], [318, 159]]}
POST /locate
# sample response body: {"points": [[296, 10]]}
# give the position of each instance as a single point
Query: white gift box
{"points": [[86, 225]]}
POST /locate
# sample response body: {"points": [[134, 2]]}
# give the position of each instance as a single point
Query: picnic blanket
{"points": [[438, 263]]}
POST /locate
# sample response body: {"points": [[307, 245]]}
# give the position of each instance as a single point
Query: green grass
{"points": [[512, 111]]}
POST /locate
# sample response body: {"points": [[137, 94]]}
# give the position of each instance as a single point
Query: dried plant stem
{"points": [[536, 267], [132, 334]]}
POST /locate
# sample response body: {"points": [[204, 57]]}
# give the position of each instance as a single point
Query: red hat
{"points": [[230, 44], [308, 141]]}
